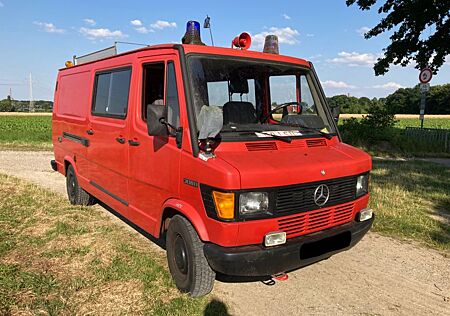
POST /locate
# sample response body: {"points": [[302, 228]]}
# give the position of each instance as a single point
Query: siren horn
{"points": [[243, 41]]}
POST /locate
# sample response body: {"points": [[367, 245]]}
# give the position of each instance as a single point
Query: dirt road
{"points": [[380, 276]]}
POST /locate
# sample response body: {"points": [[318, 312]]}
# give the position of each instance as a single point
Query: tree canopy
{"points": [[421, 32]]}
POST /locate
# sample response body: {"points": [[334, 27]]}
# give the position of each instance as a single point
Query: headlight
{"points": [[253, 202], [362, 185]]}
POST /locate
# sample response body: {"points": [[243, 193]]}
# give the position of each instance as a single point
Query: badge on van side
{"points": [[190, 182]]}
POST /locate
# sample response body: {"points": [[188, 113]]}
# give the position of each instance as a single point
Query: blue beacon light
{"points": [[192, 35]]}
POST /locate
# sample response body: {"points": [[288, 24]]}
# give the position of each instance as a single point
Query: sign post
{"points": [[424, 78]]}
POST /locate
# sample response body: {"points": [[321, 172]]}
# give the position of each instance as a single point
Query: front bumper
{"points": [[257, 260]]}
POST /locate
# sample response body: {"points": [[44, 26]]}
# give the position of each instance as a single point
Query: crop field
{"points": [[427, 123], [26, 132]]}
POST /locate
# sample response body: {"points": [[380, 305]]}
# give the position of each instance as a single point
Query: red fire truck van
{"points": [[230, 156]]}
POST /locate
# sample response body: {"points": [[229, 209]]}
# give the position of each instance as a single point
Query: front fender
{"points": [[190, 213]]}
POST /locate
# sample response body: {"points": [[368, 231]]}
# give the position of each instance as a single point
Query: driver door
{"points": [[154, 161]]}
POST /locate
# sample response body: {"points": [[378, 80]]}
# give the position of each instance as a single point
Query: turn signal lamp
{"points": [[271, 45], [192, 35], [224, 204]]}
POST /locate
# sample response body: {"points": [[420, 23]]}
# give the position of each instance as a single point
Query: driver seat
{"points": [[238, 112]]}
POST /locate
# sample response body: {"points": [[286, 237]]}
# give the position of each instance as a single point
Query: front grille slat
{"points": [[315, 220]]}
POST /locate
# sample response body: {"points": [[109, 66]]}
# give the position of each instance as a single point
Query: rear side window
{"points": [[111, 93]]}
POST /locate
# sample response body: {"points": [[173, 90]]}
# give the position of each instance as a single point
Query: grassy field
{"points": [[26, 132], [412, 200], [57, 259]]}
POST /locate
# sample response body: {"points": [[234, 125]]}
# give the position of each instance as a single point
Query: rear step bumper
{"points": [[257, 260], [53, 164]]}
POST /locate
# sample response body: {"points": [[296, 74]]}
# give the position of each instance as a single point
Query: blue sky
{"points": [[39, 36]]}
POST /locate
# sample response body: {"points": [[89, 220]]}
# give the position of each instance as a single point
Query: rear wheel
{"points": [[187, 263], [76, 195]]}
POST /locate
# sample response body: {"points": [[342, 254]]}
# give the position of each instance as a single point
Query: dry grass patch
{"points": [[57, 259]]}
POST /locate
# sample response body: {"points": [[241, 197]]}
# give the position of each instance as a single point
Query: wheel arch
{"points": [[174, 207], [69, 161]]}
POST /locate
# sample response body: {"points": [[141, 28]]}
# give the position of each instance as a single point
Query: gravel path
{"points": [[380, 276]]}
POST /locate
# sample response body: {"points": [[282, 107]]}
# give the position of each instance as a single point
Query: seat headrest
{"points": [[238, 85]]}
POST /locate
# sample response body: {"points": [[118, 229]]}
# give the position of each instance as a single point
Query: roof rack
{"points": [[100, 54]]}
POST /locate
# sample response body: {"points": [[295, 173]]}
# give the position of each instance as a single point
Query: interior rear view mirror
{"points": [[156, 118]]}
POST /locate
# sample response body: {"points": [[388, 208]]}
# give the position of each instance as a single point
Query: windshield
{"points": [[257, 98]]}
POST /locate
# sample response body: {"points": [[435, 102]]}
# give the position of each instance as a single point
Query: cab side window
{"points": [[160, 87], [153, 90], [111, 92], [173, 107]]}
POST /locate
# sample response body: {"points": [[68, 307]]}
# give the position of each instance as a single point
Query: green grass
{"points": [[25, 132], [412, 200], [58, 259], [427, 123]]}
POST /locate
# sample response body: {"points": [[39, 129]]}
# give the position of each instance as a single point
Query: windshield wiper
{"points": [[286, 139], [324, 134]]}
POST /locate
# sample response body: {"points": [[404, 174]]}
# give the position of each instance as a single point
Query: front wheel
{"points": [[187, 263]]}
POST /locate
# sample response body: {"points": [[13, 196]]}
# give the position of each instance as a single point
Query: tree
{"points": [[422, 29]]}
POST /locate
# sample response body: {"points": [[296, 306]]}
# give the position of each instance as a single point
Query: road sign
{"points": [[425, 75], [424, 87]]}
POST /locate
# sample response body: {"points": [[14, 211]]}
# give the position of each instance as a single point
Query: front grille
{"points": [[300, 198], [312, 221]]}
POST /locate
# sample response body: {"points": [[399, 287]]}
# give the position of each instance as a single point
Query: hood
{"points": [[269, 168]]}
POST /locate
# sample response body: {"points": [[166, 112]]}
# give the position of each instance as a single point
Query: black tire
{"points": [[187, 263], [76, 195]]}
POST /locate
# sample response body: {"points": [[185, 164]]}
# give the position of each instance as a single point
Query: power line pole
{"points": [[31, 107]]}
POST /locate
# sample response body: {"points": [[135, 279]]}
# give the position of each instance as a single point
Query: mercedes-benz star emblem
{"points": [[321, 195]]}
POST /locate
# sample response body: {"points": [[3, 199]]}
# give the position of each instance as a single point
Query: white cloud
{"points": [[101, 33], [285, 35], [389, 86], [286, 17], [447, 60], [90, 22], [162, 25], [49, 27], [363, 30], [136, 22], [337, 84], [158, 25], [140, 28], [354, 59]]}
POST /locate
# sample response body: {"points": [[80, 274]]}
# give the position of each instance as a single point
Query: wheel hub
{"points": [[181, 255]]}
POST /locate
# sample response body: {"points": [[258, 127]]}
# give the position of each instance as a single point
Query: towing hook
{"points": [[280, 276]]}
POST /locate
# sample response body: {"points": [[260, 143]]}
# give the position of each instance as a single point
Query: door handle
{"points": [[90, 132], [133, 142], [120, 140]]}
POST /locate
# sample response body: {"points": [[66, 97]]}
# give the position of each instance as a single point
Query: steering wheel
{"points": [[283, 105]]}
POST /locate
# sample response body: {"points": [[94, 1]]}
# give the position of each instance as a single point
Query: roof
{"points": [[214, 50]]}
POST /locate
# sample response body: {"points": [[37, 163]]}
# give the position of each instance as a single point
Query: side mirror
{"points": [[156, 115], [335, 112]]}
